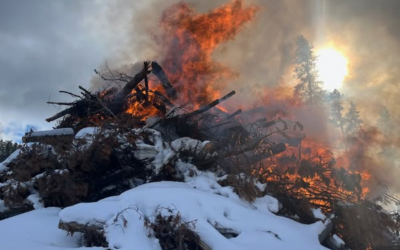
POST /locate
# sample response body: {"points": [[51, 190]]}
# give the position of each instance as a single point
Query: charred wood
{"points": [[159, 72], [117, 105], [212, 104]]}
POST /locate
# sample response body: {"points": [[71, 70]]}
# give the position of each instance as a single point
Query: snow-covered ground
{"points": [[201, 199], [36, 230]]}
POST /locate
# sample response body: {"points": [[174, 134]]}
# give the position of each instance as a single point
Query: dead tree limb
{"points": [[106, 108], [86, 92], [61, 114], [163, 98], [233, 114], [211, 105], [62, 103], [69, 93]]}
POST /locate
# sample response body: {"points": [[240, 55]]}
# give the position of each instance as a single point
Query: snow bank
{"points": [[258, 229], [36, 230]]}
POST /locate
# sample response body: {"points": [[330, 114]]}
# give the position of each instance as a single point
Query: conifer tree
{"points": [[384, 121], [336, 110], [352, 118], [309, 88]]}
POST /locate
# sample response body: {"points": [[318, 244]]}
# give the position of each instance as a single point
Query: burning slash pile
{"points": [[166, 124]]}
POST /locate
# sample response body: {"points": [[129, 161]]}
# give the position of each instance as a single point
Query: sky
{"points": [[47, 46]]}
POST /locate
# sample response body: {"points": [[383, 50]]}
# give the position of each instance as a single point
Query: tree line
{"points": [[6, 149]]}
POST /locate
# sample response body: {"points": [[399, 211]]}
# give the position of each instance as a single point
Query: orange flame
{"points": [[191, 38]]}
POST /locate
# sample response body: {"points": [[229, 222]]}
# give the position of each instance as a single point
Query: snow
{"points": [[188, 144], [86, 132], [35, 200], [318, 214], [160, 153], [36, 230], [337, 241], [257, 228], [267, 202], [3, 165], [261, 186]]}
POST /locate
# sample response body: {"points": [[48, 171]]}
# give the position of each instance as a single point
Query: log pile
{"points": [[103, 146]]}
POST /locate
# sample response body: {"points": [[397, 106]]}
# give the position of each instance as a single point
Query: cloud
{"points": [[44, 47]]}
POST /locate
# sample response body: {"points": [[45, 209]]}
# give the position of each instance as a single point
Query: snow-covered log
{"points": [[39, 136]]}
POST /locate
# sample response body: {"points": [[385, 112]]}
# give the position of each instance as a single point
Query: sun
{"points": [[332, 68]]}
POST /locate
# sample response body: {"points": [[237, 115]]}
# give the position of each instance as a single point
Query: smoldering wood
{"points": [[233, 114], [239, 150], [160, 74], [273, 150], [211, 104], [82, 106], [163, 98], [119, 101]]}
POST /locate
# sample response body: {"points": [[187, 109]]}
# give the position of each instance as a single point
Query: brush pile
{"points": [[120, 138]]}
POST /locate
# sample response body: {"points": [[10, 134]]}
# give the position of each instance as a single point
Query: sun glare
{"points": [[332, 68]]}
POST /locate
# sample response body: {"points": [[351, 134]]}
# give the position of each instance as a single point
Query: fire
{"points": [[310, 168], [143, 107], [191, 38]]}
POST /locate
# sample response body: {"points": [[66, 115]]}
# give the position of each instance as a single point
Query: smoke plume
{"points": [[262, 55]]}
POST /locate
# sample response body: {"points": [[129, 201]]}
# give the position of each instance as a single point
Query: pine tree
{"points": [[352, 118], [6, 149], [384, 121], [309, 88], [336, 109]]}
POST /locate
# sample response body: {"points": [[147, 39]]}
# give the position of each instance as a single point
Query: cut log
{"points": [[39, 136], [93, 234], [73, 227]]}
